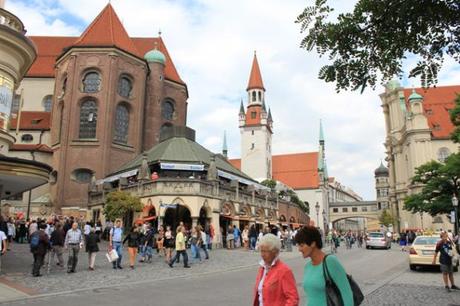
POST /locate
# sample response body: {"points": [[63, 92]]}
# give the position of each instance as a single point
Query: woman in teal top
{"points": [[309, 243]]}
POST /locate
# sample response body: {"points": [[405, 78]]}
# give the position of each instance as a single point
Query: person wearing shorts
{"points": [[445, 249]]}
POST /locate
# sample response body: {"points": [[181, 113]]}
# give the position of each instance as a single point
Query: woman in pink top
{"points": [[275, 283]]}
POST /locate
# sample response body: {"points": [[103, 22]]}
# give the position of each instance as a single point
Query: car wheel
{"points": [[413, 267]]}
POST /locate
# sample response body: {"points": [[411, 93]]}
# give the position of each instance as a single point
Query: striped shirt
{"points": [[73, 237]]}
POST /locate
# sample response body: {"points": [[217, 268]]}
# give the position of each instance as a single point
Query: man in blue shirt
{"points": [[115, 242]]}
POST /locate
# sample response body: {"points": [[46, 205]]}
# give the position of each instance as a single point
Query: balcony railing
{"points": [[188, 187], [11, 21]]}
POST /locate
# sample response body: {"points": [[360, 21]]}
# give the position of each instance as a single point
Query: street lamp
{"points": [[324, 219], [317, 213], [455, 204], [421, 219]]}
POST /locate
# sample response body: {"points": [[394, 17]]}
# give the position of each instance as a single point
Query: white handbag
{"points": [[112, 255]]}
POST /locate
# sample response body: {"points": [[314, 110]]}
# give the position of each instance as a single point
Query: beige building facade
{"points": [[418, 130]]}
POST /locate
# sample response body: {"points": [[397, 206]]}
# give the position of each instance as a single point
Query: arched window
{"points": [[121, 124], [443, 153], [27, 138], [82, 175], [61, 119], [88, 119], [260, 96], [47, 100], [124, 86], [91, 82], [254, 96], [167, 110]]}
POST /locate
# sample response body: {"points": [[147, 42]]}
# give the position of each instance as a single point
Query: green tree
{"points": [[438, 182], [372, 41], [386, 218], [455, 118], [269, 183], [118, 204]]}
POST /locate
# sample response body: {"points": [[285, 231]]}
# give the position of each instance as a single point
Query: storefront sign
{"points": [[187, 167]]}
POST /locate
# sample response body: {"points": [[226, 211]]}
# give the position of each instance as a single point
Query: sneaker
{"points": [[120, 267], [447, 288], [187, 267], [170, 265], [454, 287]]}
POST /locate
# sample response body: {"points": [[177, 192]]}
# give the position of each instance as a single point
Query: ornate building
{"points": [[382, 186], [306, 173], [110, 96], [195, 186], [17, 54], [418, 129]]}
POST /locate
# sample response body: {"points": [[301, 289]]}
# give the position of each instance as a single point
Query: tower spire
{"points": [[224, 146], [321, 132], [241, 107], [255, 78]]}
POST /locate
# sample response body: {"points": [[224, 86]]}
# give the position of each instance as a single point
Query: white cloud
{"points": [[212, 42]]}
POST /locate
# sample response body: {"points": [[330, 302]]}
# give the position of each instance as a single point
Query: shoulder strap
{"points": [[325, 269]]}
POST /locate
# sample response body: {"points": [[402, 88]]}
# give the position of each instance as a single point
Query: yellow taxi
{"points": [[422, 252]]}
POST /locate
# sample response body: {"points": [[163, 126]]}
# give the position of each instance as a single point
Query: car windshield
{"points": [[376, 235], [426, 240]]}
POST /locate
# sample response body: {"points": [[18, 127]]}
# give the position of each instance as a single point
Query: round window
{"points": [[82, 176]]}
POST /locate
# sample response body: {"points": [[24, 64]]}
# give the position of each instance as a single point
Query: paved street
{"points": [[227, 278]]}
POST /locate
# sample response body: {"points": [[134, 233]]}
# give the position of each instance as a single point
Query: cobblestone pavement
{"points": [[17, 266], [226, 279]]}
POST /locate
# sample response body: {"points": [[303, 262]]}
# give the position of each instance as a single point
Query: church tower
{"points": [[256, 128]]}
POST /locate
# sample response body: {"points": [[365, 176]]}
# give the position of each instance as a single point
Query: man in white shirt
{"points": [[2, 247]]}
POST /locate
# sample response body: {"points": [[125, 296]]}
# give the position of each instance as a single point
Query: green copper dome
{"points": [[415, 96], [155, 56], [393, 84]]}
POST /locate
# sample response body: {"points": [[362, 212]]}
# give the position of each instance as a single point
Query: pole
{"points": [[317, 218], [456, 220]]}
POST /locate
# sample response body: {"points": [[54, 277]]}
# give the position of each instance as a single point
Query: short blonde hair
{"points": [[271, 241]]}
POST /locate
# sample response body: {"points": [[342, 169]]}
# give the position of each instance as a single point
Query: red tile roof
{"points": [[437, 101], [299, 170], [31, 147], [255, 78], [32, 121], [51, 47], [107, 31]]}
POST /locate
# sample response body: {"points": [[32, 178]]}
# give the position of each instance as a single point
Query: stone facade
{"points": [[417, 131]]}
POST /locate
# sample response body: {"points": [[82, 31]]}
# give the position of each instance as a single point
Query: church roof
{"points": [[437, 102], [51, 47], [381, 170], [255, 78], [31, 121], [298, 171], [182, 150], [106, 30]]}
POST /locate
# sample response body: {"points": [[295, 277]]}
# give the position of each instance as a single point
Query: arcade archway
{"points": [[176, 214]]}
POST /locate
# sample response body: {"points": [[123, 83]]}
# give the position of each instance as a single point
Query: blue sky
{"points": [[212, 44]]}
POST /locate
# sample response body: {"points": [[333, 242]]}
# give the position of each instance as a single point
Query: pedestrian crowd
{"points": [[51, 239]]}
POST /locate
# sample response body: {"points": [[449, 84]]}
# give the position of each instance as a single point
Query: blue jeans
{"points": [[195, 251], [253, 243], [205, 249], [117, 246]]}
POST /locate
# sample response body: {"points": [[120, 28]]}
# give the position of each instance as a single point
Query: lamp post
{"points": [[455, 204], [317, 213], [324, 219], [421, 219]]}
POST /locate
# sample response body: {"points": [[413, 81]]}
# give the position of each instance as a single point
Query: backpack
{"points": [[34, 241]]}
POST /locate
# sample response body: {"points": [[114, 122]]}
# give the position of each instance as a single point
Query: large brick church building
{"points": [[99, 99]]}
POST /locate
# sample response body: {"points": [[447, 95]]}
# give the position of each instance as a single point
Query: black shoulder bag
{"points": [[333, 296]]}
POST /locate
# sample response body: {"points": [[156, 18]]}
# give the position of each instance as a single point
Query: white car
{"points": [[378, 240]]}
